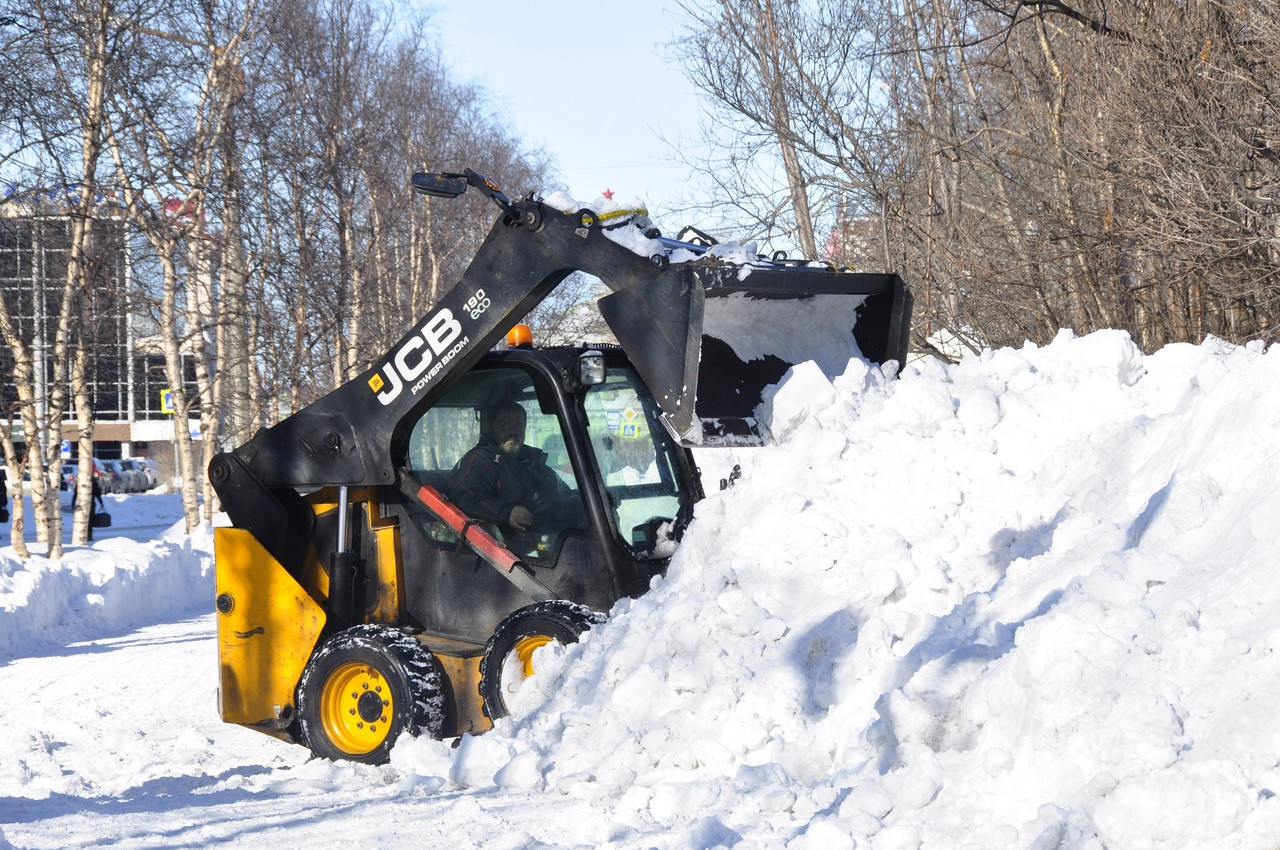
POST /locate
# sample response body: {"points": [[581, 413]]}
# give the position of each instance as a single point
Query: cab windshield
{"points": [[637, 460]]}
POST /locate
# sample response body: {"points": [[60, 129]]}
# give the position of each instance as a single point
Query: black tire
{"points": [[508, 656], [363, 688]]}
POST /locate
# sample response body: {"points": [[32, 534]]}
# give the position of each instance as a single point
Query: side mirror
{"points": [[591, 369], [439, 185]]}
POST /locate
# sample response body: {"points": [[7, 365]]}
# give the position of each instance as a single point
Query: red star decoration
{"points": [[608, 194]]}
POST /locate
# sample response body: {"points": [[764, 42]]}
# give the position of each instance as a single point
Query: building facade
{"points": [[126, 368]]}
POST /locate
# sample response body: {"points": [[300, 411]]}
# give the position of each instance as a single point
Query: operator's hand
{"points": [[521, 518]]}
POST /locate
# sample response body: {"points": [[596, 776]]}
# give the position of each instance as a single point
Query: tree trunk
{"points": [[176, 375]]}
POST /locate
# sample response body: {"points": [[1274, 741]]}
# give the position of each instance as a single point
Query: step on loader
{"points": [[398, 551]]}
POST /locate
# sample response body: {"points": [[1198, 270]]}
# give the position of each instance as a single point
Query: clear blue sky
{"points": [[585, 81]]}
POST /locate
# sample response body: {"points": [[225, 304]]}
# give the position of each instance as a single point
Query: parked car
{"points": [[153, 471], [110, 475], [135, 480], [136, 474], [127, 484]]}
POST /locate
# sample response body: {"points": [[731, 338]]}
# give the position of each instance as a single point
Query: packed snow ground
{"points": [[1024, 601]]}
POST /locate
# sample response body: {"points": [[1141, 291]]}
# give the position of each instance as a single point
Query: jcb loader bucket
{"points": [[709, 337]]}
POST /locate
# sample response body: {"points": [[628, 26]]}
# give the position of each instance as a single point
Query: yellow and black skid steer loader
{"points": [[364, 590]]}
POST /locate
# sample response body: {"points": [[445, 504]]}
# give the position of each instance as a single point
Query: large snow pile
{"points": [[1026, 601]]}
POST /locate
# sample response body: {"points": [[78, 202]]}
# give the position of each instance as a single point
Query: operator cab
{"points": [[623, 487], [605, 439]]}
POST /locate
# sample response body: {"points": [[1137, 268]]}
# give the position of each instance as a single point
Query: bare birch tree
{"points": [[76, 47], [168, 154]]}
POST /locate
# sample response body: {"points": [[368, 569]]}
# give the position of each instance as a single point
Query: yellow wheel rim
{"points": [[356, 708], [525, 648]]}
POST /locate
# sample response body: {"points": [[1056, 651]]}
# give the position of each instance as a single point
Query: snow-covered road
{"points": [[118, 743], [113, 727]]}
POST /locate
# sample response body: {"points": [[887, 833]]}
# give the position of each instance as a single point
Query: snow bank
{"points": [[1027, 600], [112, 584]]}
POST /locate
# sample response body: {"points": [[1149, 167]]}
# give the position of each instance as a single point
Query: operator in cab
{"points": [[508, 483]]}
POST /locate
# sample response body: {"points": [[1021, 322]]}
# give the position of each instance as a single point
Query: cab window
{"points": [[636, 456], [449, 448]]}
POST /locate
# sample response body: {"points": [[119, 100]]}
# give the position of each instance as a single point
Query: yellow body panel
{"points": [[463, 673], [390, 566], [265, 636]]}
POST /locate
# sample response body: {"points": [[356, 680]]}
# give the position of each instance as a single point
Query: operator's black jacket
{"points": [[487, 483]]}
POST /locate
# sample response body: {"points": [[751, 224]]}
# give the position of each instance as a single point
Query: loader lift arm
{"points": [[657, 310]]}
